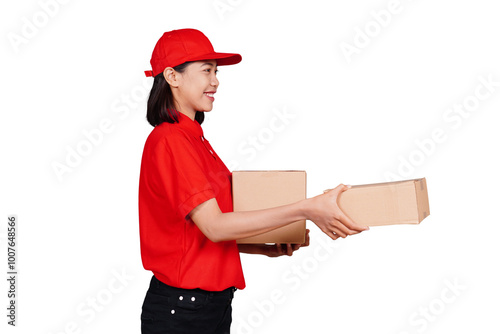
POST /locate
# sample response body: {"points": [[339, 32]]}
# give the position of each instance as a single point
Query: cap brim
{"points": [[222, 58]]}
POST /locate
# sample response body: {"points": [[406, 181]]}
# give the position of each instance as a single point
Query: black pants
{"points": [[172, 310]]}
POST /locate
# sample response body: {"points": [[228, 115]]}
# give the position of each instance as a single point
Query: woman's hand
{"points": [[326, 214], [286, 249], [273, 250]]}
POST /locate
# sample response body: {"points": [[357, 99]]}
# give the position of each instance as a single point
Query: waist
{"points": [[177, 293]]}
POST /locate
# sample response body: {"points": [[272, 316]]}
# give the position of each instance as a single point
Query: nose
{"points": [[214, 82]]}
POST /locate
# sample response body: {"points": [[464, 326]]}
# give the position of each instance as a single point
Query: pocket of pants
{"points": [[157, 306], [190, 301], [183, 312]]}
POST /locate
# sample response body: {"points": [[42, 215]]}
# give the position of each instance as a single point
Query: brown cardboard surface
{"points": [[400, 202], [254, 190]]}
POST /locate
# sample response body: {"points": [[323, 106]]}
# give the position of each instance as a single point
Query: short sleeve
{"points": [[179, 173]]}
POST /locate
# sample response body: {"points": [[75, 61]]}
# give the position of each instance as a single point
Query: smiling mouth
{"points": [[211, 94]]}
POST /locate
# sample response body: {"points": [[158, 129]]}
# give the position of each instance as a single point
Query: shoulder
{"points": [[167, 132], [168, 136]]}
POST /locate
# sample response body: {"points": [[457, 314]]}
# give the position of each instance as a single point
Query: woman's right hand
{"points": [[324, 211]]}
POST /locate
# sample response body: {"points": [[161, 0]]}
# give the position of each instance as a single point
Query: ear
{"points": [[171, 76]]}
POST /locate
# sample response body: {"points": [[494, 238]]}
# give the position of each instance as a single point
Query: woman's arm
{"points": [[322, 210]]}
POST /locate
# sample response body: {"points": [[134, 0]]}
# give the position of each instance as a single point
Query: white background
{"points": [[351, 119]]}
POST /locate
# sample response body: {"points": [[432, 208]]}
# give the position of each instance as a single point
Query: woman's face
{"points": [[196, 87]]}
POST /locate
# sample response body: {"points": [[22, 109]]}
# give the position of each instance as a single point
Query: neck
{"points": [[191, 115]]}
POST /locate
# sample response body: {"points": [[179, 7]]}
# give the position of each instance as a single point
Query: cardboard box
{"points": [[254, 190], [401, 202]]}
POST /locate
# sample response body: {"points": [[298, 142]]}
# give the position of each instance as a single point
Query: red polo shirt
{"points": [[179, 171]]}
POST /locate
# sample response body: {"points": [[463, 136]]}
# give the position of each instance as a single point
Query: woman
{"points": [[187, 226]]}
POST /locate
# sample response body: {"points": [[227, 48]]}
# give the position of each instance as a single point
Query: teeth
{"points": [[210, 94]]}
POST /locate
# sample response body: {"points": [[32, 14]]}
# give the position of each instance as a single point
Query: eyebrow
{"points": [[208, 64]]}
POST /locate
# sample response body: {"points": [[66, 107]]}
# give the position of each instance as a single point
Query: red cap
{"points": [[179, 46]]}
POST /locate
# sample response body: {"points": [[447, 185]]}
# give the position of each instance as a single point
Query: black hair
{"points": [[161, 101]]}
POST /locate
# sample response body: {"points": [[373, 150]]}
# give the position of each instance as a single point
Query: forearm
{"points": [[218, 226], [323, 210]]}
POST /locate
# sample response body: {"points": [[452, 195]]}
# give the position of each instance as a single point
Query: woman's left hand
{"points": [[274, 250], [286, 249]]}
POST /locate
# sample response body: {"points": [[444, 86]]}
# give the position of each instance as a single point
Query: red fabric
{"points": [[179, 46], [179, 171]]}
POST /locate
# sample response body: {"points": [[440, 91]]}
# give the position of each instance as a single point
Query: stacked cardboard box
{"points": [[401, 202], [254, 190]]}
